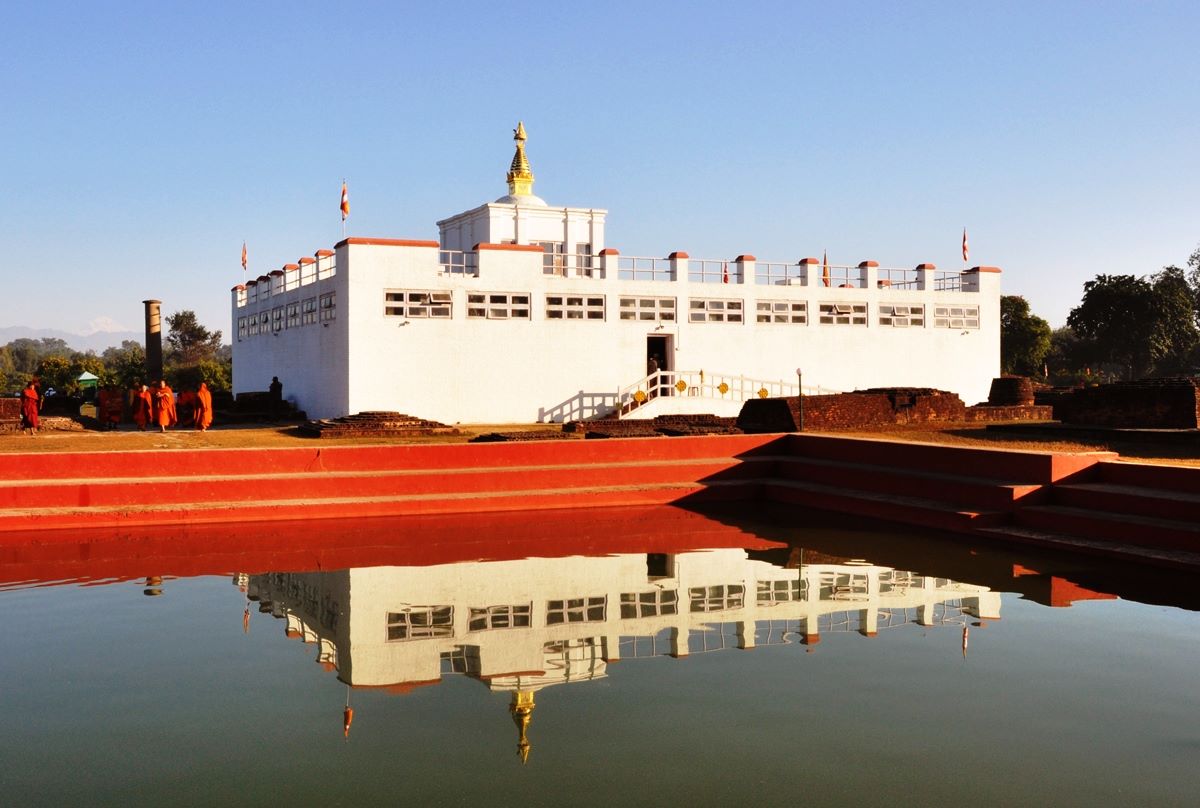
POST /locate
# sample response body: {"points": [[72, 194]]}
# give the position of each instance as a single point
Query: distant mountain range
{"points": [[96, 341]]}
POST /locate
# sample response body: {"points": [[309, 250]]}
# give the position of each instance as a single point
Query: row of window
{"points": [[516, 306], [423, 622], [294, 315]]}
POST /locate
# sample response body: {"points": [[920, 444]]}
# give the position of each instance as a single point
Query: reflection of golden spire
{"points": [[520, 175], [522, 712]]}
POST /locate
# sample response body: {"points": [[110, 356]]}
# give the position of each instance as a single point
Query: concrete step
{"points": [[249, 488], [1080, 544], [889, 507], [1184, 479], [1143, 531], [962, 490], [1108, 497], [353, 507]]}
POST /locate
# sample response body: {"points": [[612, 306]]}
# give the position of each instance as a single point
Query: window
{"points": [[772, 592], [252, 325], [956, 317], [576, 610], [277, 318], [489, 617], [717, 598], [782, 311], [420, 623], [418, 304], [714, 311], [308, 310], [647, 308], [901, 316], [293, 315], [843, 314], [328, 307], [552, 258], [574, 307], [242, 327], [649, 604], [498, 306]]}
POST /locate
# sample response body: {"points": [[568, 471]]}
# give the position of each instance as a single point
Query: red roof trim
{"points": [[741, 259], [985, 269], [610, 251], [386, 242], [677, 255], [483, 245]]}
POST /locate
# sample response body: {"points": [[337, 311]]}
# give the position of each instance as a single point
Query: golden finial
{"points": [[520, 175], [522, 713]]}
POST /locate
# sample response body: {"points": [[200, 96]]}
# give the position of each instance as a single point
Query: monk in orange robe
{"points": [[202, 408], [142, 407], [29, 408], [164, 406]]}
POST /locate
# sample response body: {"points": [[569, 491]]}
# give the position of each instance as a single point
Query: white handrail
{"points": [[706, 384]]}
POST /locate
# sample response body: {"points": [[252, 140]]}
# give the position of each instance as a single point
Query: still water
{"points": [[630, 657]]}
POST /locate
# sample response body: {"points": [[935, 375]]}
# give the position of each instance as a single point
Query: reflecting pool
{"points": [[627, 656]]}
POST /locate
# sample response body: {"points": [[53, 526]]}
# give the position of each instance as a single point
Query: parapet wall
{"points": [[859, 410], [1170, 403]]}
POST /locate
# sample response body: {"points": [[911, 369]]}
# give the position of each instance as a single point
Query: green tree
{"points": [[124, 365], [1024, 338], [55, 371], [187, 341], [1142, 325]]}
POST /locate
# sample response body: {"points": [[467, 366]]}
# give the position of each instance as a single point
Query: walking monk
{"points": [[164, 406], [142, 407], [29, 408], [202, 408]]}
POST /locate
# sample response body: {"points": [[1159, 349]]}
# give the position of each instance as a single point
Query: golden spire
{"points": [[522, 713], [520, 175]]}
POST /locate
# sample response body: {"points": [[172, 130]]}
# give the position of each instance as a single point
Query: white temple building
{"points": [[521, 312]]}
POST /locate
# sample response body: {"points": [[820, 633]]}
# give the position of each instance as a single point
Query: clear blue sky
{"points": [[144, 142]]}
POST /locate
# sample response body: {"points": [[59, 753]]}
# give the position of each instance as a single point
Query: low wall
{"points": [[1146, 404], [859, 410], [10, 414]]}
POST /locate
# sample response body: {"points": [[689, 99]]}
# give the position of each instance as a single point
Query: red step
{"points": [[1142, 531]]}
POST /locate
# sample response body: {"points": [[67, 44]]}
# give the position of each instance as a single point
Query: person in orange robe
{"points": [[164, 406], [202, 408], [142, 406], [29, 408]]}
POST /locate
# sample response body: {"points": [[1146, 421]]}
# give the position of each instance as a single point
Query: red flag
{"points": [[825, 267], [345, 201], [965, 251], [244, 258], [724, 272]]}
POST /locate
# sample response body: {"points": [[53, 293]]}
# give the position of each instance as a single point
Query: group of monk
{"points": [[156, 406]]}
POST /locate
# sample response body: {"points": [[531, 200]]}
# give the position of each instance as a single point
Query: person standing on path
{"points": [[276, 399], [29, 408], [202, 408], [164, 406]]}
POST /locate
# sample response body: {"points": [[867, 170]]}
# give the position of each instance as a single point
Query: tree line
{"points": [[1125, 327], [191, 354]]}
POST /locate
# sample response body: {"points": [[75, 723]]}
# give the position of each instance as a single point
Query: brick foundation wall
{"points": [[987, 413], [1146, 404], [10, 414], [858, 410]]}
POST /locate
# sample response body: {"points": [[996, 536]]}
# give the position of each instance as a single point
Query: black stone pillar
{"points": [[154, 355]]}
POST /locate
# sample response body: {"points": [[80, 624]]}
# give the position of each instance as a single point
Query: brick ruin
{"points": [[1170, 403]]}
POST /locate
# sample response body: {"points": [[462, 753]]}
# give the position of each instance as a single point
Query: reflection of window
{"points": [[575, 610], [901, 316], [717, 598], [328, 307], [461, 659], [490, 617], [309, 311], [782, 311], [772, 592], [843, 314], [647, 308], [956, 317], [417, 304], [293, 315], [649, 604], [420, 623], [574, 307], [714, 311], [498, 306]]}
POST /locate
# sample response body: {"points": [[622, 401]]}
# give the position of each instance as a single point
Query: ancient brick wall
{"points": [[1146, 404], [10, 414], [859, 410], [1021, 412]]}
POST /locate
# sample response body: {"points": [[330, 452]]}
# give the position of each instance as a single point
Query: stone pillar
{"points": [[926, 279], [745, 269], [810, 272], [679, 266], [154, 354], [868, 274]]}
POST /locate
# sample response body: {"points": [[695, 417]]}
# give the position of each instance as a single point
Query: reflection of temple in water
{"points": [[523, 625], [541, 621]]}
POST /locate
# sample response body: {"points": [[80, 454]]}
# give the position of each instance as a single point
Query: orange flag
{"points": [[825, 267], [965, 251], [244, 258], [725, 272], [345, 201]]}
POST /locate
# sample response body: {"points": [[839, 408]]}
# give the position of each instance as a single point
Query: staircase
{"points": [[47, 491]]}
